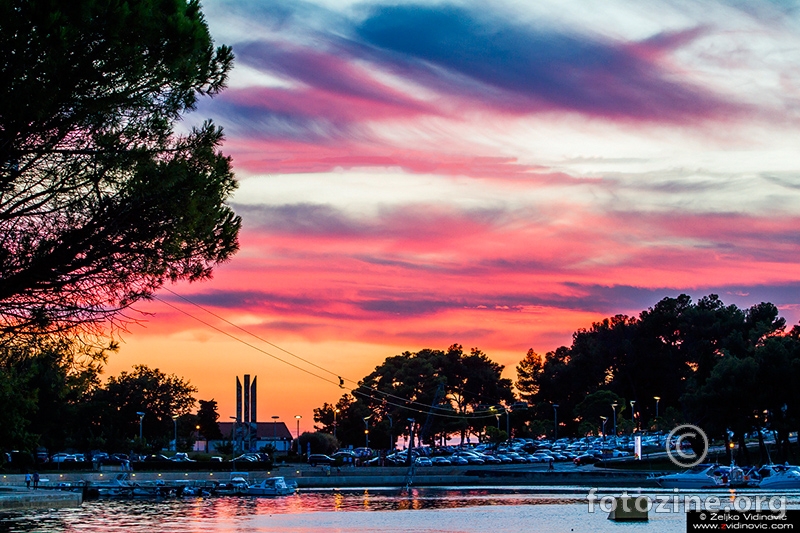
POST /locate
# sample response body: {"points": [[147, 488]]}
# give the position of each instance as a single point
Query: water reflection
{"points": [[233, 513]]}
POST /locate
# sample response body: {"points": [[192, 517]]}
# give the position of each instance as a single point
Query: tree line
{"points": [[53, 398], [728, 370]]}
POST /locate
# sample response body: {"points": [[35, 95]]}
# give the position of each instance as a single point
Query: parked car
{"points": [[62, 458], [181, 458], [320, 459], [423, 461], [585, 459], [248, 457], [156, 457]]}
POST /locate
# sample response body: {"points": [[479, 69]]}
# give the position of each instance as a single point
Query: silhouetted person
{"points": [[35, 480]]}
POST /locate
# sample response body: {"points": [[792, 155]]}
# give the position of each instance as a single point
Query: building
{"points": [[261, 435]]}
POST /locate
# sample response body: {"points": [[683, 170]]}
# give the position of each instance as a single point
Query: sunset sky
{"points": [[415, 175]]}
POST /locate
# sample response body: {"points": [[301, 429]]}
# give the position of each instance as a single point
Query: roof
{"points": [[264, 430]]}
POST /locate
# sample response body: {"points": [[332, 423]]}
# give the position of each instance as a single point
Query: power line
{"points": [[340, 383]]}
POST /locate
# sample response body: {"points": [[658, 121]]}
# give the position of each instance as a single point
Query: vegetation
{"points": [[720, 367], [101, 201]]}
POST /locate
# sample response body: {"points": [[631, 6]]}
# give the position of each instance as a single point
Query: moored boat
{"points": [[272, 486], [702, 476], [779, 477]]}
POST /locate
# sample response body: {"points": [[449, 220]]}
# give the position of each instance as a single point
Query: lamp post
{"points": [[298, 417], [555, 419], [508, 424], [614, 408], [603, 419], [275, 431], [366, 430], [141, 418], [175, 432], [657, 398], [334, 422], [633, 414], [391, 433], [236, 431]]}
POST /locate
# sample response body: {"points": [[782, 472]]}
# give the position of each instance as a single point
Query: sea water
{"points": [[434, 510]]}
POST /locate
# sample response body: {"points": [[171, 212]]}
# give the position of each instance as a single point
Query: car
{"points": [[585, 459], [423, 461], [458, 461], [216, 459], [320, 459], [156, 457], [62, 458], [347, 456], [181, 457], [440, 461]]}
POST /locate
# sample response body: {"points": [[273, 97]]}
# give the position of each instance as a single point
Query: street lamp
{"points": [[298, 417], [334, 422], [614, 408], [175, 433], [555, 419], [275, 431], [604, 418], [366, 430], [657, 398], [391, 433], [633, 414], [236, 431], [141, 418]]}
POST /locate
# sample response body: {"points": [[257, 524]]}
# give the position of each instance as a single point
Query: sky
{"points": [[497, 175]]}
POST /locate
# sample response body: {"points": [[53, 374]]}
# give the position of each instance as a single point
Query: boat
{"points": [[272, 486], [237, 486], [702, 476], [779, 477], [121, 485]]}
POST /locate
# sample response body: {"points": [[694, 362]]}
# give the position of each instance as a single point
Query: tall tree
{"points": [[207, 417], [144, 390], [101, 202]]}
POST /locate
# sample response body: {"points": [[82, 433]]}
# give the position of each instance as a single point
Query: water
{"points": [[480, 510]]}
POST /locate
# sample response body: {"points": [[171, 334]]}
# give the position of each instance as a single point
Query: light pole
{"points": [[604, 418], [555, 419], [298, 417], [614, 408], [334, 422], [275, 431], [236, 431], [633, 414], [508, 424], [366, 430], [141, 418], [391, 433], [657, 398], [175, 433]]}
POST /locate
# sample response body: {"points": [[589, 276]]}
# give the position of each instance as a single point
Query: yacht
{"points": [[779, 477], [272, 486], [702, 476]]}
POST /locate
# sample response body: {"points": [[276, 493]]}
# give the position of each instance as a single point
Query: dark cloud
{"points": [[552, 69]]}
